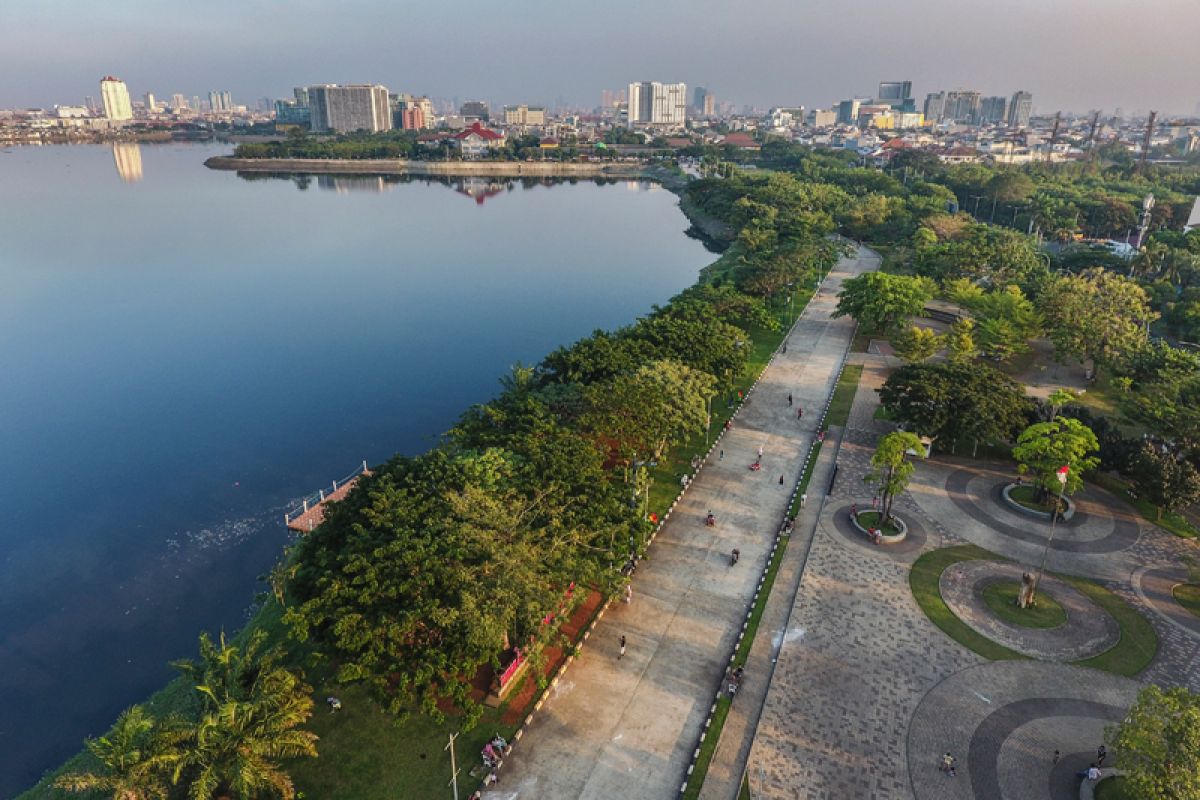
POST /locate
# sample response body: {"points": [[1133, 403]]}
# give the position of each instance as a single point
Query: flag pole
{"points": [[1062, 478]]}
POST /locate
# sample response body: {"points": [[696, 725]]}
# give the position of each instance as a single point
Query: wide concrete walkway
{"points": [[626, 727]]}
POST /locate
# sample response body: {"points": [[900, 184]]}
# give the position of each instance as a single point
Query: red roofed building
{"points": [[741, 140], [477, 141]]}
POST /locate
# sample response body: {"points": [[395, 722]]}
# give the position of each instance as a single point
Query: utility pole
{"points": [[1141, 166], [453, 766]]}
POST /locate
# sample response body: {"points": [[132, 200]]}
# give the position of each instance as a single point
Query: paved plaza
{"points": [[868, 694], [627, 726]]}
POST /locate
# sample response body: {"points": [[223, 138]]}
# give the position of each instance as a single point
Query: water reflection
{"points": [[128, 158], [344, 184]]}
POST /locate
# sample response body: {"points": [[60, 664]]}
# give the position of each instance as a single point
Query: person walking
{"points": [[947, 765], [760, 452], [1057, 757], [622, 653], [722, 457], [1101, 754], [789, 399], [781, 480], [799, 413], [628, 593]]}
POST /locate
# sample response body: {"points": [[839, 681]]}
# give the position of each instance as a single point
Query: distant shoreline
{"points": [[399, 166]]}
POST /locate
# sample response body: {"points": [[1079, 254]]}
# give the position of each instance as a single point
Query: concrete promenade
{"points": [[627, 727]]}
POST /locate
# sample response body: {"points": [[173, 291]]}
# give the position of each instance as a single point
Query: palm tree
{"points": [[133, 758], [250, 710], [1149, 259], [1177, 264]]}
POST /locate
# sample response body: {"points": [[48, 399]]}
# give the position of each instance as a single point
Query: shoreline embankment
{"points": [[400, 166]]}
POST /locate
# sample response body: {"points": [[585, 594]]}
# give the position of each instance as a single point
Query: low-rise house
{"points": [[477, 141]]}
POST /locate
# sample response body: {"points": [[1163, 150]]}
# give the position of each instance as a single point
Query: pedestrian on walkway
{"points": [[789, 398], [799, 413], [628, 593], [1057, 757], [947, 765], [722, 458], [875, 503], [1101, 754], [785, 347], [821, 436], [781, 480], [760, 451], [622, 653]]}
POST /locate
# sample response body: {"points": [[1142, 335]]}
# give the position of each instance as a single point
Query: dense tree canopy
{"points": [[880, 301], [1158, 744], [1097, 315]]}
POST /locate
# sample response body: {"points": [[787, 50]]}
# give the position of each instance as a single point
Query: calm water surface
{"points": [[183, 352]]}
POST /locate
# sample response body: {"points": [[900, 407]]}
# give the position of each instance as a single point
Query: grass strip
{"points": [[923, 580], [1138, 644], [1188, 596], [843, 395]]}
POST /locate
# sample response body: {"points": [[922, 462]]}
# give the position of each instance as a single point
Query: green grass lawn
{"points": [[870, 519], [1188, 596], [923, 580], [1027, 496], [1133, 652], [843, 395], [1001, 598]]}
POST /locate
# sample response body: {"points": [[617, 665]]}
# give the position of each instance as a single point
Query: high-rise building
{"points": [[1020, 109], [962, 105], [606, 99], [178, 102], [474, 110], [894, 92], [993, 109], [220, 101], [289, 112], [353, 107], [115, 96], [524, 115], [151, 105], [935, 106], [699, 98], [848, 110], [654, 103]]}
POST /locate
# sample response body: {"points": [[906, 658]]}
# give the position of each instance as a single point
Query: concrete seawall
{"points": [[398, 166]]}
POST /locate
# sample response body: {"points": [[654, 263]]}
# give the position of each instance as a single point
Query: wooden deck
{"points": [[314, 515]]}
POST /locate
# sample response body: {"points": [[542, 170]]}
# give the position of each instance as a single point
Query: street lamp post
{"points": [[1037, 581]]}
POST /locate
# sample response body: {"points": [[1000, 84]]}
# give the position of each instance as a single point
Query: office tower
{"points": [[848, 111], [115, 96], [654, 103], [699, 95], [289, 112], [524, 115], [963, 105], [151, 106], [474, 109], [894, 93], [1020, 109], [178, 102], [195, 105], [300, 93], [935, 106], [993, 109], [426, 106], [220, 101], [710, 105], [353, 107], [606, 98]]}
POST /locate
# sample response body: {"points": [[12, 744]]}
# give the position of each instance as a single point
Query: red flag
{"points": [[1063, 472]]}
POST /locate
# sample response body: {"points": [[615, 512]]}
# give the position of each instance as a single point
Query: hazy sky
{"points": [[1072, 54]]}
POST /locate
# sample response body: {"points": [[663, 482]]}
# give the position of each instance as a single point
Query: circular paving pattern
{"points": [[1004, 720], [913, 542], [1088, 631], [1155, 586], [1093, 529]]}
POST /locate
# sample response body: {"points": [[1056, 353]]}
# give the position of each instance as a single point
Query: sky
{"points": [[1074, 55]]}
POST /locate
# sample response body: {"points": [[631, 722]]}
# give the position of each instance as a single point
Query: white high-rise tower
{"points": [[115, 96]]}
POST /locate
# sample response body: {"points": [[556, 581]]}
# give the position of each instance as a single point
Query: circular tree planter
{"points": [[1024, 509], [894, 538]]}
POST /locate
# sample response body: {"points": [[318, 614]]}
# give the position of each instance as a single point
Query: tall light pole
{"points": [[453, 766]]}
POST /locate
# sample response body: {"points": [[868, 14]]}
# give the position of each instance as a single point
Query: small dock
{"points": [[309, 512]]}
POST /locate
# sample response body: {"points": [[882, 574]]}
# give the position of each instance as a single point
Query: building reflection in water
{"points": [[480, 189], [128, 158], [353, 183]]}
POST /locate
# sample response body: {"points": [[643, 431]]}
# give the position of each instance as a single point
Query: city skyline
{"points": [[1069, 61]]}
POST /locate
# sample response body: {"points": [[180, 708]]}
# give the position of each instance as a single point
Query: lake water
{"points": [[183, 352]]}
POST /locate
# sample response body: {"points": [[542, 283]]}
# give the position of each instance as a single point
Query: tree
{"points": [[890, 467], [1165, 478], [1044, 448], [1059, 398], [960, 342], [986, 254], [950, 402], [132, 758], [880, 301], [1005, 321], [1158, 744], [1097, 315], [915, 344], [642, 413], [250, 709]]}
